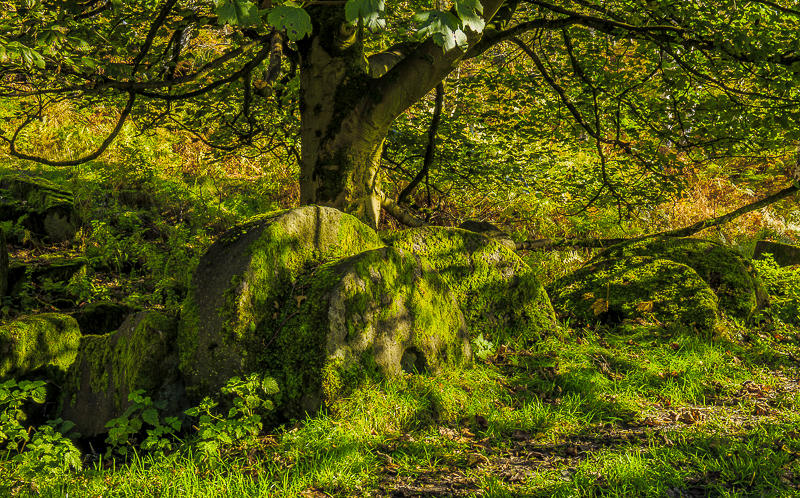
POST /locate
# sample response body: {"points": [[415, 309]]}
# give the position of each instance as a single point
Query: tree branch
{"points": [[74, 162], [431, 147], [552, 244]]}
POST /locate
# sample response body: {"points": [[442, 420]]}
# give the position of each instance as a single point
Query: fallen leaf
{"points": [[600, 306]]}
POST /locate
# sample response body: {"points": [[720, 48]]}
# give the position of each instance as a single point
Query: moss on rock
{"points": [[729, 275], [648, 290], [3, 265], [372, 315], [499, 294], [42, 206], [243, 281], [140, 355], [47, 340]]}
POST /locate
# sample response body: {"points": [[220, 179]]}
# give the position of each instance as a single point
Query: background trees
{"points": [[637, 91]]}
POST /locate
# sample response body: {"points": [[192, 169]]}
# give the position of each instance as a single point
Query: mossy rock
{"points": [[783, 254], [729, 275], [41, 206], [244, 279], [101, 317], [44, 341], [489, 230], [3, 265], [499, 294], [369, 316], [644, 290], [140, 355]]}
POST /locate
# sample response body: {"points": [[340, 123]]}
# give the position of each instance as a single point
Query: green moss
{"points": [[140, 355], [729, 275], [646, 290], [33, 342], [358, 317], [246, 276], [499, 294]]}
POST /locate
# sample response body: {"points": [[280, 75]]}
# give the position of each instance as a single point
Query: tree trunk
{"points": [[342, 133], [346, 112]]}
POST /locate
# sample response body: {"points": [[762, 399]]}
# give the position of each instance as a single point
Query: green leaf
{"points": [[237, 12], [294, 20], [151, 416], [369, 12], [469, 11], [443, 27]]}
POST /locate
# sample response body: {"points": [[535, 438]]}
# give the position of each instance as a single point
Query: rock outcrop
{"points": [[638, 289], [369, 316], [730, 275], [45, 341], [783, 254], [246, 279], [3, 265], [42, 207]]}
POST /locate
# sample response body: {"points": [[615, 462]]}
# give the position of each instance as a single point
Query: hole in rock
{"points": [[413, 361]]}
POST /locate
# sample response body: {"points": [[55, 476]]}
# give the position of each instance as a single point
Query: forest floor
{"points": [[592, 414], [591, 411]]}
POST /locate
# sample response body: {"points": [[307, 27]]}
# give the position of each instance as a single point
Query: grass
{"points": [[596, 414], [634, 411]]}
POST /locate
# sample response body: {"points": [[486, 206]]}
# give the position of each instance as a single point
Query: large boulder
{"points": [[369, 316], [140, 355], [41, 206], [499, 294], [729, 275], [783, 254], [644, 290], [44, 341], [245, 279]]}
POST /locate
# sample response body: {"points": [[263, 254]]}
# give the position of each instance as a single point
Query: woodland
{"points": [[367, 248]]}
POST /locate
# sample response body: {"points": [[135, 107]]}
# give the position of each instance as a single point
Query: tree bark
{"points": [[342, 140], [346, 112]]}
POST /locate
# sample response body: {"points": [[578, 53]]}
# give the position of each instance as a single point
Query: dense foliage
{"points": [[162, 123], [638, 93]]}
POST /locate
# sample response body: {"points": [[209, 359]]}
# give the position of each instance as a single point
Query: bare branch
{"points": [[12, 142]]}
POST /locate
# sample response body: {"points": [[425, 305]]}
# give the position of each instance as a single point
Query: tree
{"points": [[647, 84]]}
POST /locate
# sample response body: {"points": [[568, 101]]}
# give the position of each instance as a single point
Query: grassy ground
{"points": [[639, 412], [595, 413]]}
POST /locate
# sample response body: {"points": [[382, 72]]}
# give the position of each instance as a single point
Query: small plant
{"points": [[244, 419], [124, 431], [483, 347], [43, 451], [783, 286]]}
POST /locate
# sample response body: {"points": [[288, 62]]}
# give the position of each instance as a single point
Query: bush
{"points": [[32, 453], [783, 286]]}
